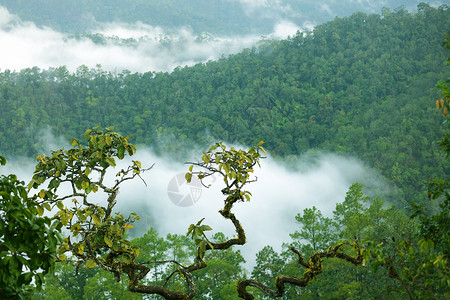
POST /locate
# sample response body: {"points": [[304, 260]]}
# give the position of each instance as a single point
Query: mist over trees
{"points": [[359, 86], [223, 17]]}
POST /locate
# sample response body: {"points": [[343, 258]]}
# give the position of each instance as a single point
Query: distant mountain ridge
{"points": [[223, 17]]}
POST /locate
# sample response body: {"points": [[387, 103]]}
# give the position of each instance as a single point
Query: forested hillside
{"points": [[362, 85]]}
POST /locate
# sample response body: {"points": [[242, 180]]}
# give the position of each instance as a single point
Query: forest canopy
{"points": [[358, 85]]}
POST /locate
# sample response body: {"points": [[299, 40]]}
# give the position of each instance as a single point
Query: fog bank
{"points": [[279, 193], [136, 47]]}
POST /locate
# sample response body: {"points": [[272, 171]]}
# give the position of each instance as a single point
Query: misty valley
{"points": [[232, 149]]}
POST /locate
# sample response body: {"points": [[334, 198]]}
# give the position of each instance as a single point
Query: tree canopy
{"points": [[358, 85]]}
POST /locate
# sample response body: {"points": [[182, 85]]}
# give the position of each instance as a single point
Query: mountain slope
{"points": [[362, 85]]}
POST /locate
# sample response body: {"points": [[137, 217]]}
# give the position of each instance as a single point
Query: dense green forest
{"points": [[359, 85], [224, 17]]}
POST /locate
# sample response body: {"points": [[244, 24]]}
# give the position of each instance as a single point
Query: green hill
{"points": [[362, 85]]}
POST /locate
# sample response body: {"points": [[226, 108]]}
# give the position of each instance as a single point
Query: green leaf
{"points": [[2, 160], [121, 152], [89, 189], [263, 150], [201, 249], [188, 177], [200, 222], [85, 185], [42, 194], [198, 231], [137, 164], [54, 183], [191, 227], [47, 206], [62, 257], [90, 264], [86, 135], [96, 219], [206, 158], [60, 204], [110, 161], [108, 241], [30, 185], [226, 167], [40, 210], [205, 228], [213, 147]]}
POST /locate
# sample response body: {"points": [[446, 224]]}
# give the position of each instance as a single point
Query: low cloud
{"points": [[286, 28], [280, 193], [136, 47]]}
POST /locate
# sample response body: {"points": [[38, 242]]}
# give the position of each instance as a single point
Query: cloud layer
{"points": [[136, 47], [280, 193]]}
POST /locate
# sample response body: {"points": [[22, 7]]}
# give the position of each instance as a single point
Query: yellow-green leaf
{"points": [[108, 241], [42, 194], [85, 185], [86, 135], [110, 161], [96, 219], [40, 210], [188, 177], [263, 150], [128, 226], [90, 264], [47, 206], [138, 164]]}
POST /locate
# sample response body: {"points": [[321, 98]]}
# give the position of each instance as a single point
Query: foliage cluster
{"points": [[24, 258]]}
